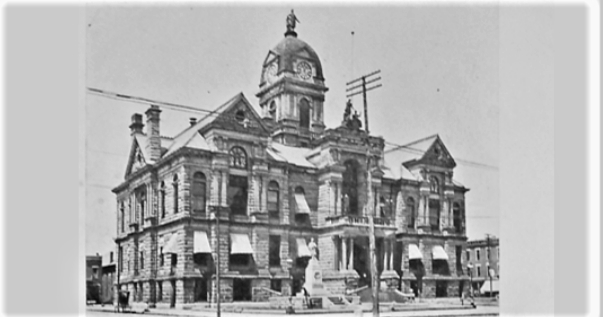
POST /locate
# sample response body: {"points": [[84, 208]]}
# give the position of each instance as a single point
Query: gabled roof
{"points": [[139, 142], [191, 138], [398, 159], [224, 114]]}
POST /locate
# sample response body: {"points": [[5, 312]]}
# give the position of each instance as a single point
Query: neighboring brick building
{"points": [[276, 179], [484, 255], [108, 278], [93, 278]]}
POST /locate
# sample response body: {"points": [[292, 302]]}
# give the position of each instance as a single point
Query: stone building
{"points": [[483, 255], [274, 179]]}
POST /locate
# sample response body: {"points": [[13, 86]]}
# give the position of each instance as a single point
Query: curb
{"points": [[191, 313]]}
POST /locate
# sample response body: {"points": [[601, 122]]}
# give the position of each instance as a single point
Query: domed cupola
{"points": [[292, 89]]}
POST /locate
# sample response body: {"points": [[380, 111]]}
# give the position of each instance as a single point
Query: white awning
{"points": [[239, 244], [201, 243], [414, 253], [486, 287], [438, 253], [171, 245], [302, 205], [302, 248]]}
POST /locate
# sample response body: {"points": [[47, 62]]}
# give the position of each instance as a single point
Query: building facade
{"points": [[483, 256], [242, 192], [93, 278], [108, 278]]}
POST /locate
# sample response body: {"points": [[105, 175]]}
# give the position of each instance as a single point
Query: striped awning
{"points": [[201, 243], [414, 253], [240, 244], [171, 246], [302, 248], [439, 253], [302, 204]]}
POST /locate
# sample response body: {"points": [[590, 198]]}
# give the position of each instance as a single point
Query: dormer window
{"points": [[240, 116]]}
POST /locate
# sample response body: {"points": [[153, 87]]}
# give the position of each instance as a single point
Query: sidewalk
{"points": [[408, 310]]}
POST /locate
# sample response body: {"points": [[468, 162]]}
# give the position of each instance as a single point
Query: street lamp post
{"points": [[490, 277], [470, 269]]}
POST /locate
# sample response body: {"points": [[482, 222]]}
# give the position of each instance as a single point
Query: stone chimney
{"points": [[136, 125], [153, 147], [193, 121]]}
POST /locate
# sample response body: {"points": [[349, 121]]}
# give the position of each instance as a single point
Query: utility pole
{"points": [[364, 89], [489, 274], [368, 208], [218, 312]]}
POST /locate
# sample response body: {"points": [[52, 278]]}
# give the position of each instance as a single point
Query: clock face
{"points": [[304, 70]]}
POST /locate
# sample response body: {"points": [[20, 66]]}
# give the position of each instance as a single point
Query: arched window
{"points": [[198, 192], [122, 215], [162, 198], [304, 114], [350, 188], [434, 186], [175, 185], [272, 110], [238, 157], [142, 202], [384, 207], [457, 217], [410, 209], [273, 199]]}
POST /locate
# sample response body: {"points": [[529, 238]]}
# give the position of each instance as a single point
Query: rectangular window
{"points": [[468, 255], [274, 250], [275, 285], [161, 263], [120, 258], [237, 194], [174, 260], [477, 254], [201, 259], [159, 291], [273, 202], [434, 214], [488, 253], [141, 260], [239, 260], [479, 271], [162, 203]]}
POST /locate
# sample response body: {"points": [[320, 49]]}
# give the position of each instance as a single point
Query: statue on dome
{"points": [[291, 19], [351, 121], [348, 110]]}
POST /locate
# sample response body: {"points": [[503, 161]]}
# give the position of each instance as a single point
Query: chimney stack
{"points": [[153, 147], [193, 121], [136, 126]]}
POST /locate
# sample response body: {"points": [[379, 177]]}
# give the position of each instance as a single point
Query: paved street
{"points": [[479, 311]]}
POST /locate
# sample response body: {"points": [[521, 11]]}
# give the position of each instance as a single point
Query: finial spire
{"points": [[291, 19]]}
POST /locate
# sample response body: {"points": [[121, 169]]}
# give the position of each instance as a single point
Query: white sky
{"points": [[440, 74]]}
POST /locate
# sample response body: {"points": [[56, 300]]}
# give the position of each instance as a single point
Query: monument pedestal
{"points": [[313, 284]]}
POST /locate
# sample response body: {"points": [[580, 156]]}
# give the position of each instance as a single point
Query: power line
{"points": [[409, 149], [190, 109]]}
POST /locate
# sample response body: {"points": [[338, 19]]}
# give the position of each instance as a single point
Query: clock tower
{"points": [[292, 90]]}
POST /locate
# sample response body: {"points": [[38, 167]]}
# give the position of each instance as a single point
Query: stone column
{"points": [[214, 191], [351, 264], [344, 251], [224, 190]]}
